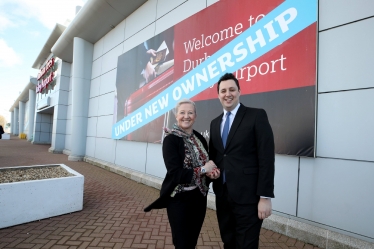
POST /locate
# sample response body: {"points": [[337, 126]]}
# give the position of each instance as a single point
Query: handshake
{"points": [[211, 170]]}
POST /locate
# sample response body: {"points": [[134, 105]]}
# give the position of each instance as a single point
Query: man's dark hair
{"points": [[228, 76]]}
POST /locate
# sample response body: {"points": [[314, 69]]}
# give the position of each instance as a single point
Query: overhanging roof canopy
{"points": [[94, 20], [24, 96], [46, 50]]}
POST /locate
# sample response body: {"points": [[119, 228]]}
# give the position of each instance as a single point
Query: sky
{"points": [[25, 26]]}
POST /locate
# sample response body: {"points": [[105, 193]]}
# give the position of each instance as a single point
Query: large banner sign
{"points": [[269, 45]]}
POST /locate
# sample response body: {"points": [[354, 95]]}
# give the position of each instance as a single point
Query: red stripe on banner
{"points": [[147, 92], [290, 65], [206, 32]]}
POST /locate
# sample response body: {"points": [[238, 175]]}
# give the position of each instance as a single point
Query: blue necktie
{"points": [[225, 133], [226, 129]]}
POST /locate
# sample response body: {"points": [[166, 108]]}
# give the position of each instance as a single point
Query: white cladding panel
{"points": [[63, 82], [337, 193], [180, 13], [105, 149], [81, 107], [95, 87], [83, 52], [141, 18], [155, 162], [90, 146], [140, 37], [96, 68], [59, 126], [91, 127], [98, 49], [165, 6], [45, 137], [38, 117], [60, 111], [93, 106], [68, 112], [345, 125], [114, 37], [68, 126], [70, 96], [46, 118], [68, 142], [104, 126], [65, 69], [337, 12], [106, 104], [131, 155], [285, 184], [110, 59], [37, 126], [63, 97], [45, 127], [108, 82], [346, 57], [58, 140]]}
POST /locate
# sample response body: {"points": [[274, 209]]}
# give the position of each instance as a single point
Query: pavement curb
{"points": [[140, 177], [311, 234], [314, 235]]}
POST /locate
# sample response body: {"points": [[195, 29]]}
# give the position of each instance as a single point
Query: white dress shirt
{"points": [[231, 117]]}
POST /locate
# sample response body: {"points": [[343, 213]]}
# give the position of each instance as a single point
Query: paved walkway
{"points": [[112, 215]]}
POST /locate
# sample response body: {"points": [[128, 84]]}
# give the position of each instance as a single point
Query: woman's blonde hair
{"points": [[184, 101]]}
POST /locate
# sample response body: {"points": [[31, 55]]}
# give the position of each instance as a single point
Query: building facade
{"points": [[325, 199]]}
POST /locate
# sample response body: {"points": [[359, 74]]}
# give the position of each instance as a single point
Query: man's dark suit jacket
{"points": [[248, 159]]}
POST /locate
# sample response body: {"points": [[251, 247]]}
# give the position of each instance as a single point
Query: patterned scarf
{"points": [[195, 157]]}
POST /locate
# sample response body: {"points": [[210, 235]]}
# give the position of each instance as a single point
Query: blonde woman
{"points": [[184, 190]]}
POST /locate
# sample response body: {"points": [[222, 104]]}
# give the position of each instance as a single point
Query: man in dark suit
{"points": [[243, 150]]}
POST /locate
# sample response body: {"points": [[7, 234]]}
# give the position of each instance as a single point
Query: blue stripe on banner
{"points": [[279, 25]]}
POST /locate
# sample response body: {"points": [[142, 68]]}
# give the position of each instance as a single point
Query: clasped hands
{"points": [[211, 170]]}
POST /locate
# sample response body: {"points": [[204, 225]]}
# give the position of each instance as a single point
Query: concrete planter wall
{"points": [[26, 201], [5, 136]]}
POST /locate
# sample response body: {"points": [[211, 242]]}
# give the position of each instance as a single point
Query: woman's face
{"points": [[186, 116]]}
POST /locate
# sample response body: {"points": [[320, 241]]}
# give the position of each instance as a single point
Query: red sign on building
{"points": [[43, 83]]}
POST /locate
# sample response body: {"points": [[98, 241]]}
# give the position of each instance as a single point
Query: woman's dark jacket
{"points": [[173, 151]]}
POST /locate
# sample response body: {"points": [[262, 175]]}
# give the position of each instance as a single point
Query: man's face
{"points": [[228, 94]]}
